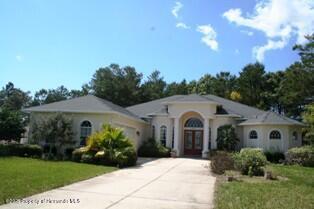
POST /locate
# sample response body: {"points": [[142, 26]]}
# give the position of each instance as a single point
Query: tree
{"points": [[13, 98], [252, 84], [11, 124], [308, 119], [223, 84], [226, 138], [272, 93], [206, 84], [118, 85], [175, 88], [44, 96], [306, 52], [55, 131], [154, 87], [296, 88]]}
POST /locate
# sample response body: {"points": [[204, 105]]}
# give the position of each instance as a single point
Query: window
{"points": [[253, 134], [193, 123], [163, 135], [295, 135], [275, 135], [153, 131], [86, 130]]}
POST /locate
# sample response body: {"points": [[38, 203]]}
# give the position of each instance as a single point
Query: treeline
{"points": [[286, 92]]}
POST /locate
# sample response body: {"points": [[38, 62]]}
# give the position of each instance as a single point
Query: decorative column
{"points": [[205, 138], [214, 136], [176, 136]]}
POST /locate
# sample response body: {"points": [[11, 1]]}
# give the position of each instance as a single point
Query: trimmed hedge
{"points": [[151, 148], [21, 150], [301, 155], [250, 161], [220, 161], [275, 157]]}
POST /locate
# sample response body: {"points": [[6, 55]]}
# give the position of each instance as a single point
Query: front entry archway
{"points": [[193, 137]]}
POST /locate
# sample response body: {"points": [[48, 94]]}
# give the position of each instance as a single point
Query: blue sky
{"points": [[45, 44]]}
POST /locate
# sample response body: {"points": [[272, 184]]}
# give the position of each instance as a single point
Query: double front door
{"points": [[193, 142]]}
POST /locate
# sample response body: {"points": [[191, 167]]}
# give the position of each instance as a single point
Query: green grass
{"points": [[297, 192], [21, 177]]}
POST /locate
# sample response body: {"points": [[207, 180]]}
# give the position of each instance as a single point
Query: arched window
{"points": [[294, 135], [193, 123], [163, 135], [153, 131], [86, 130], [253, 134], [275, 135]]}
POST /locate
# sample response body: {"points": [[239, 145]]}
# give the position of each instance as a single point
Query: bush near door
{"points": [[151, 148], [250, 161], [107, 147]]}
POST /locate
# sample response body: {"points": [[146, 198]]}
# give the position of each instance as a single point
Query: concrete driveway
{"points": [[163, 183]]}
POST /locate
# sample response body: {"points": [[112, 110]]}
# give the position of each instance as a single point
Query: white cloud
{"points": [[279, 20], [19, 58], [209, 36], [182, 25], [175, 10]]}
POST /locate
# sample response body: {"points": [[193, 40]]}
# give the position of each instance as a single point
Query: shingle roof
{"points": [[232, 107], [271, 118], [85, 104], [251, 114]]}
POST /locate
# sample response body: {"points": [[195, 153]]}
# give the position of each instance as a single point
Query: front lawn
{"points": [[295, 192], [21, 177]]}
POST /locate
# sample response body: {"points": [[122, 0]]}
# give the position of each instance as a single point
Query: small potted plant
{"points": [[173, 153]]}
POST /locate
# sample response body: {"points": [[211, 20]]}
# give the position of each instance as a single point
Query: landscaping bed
{"points": [[22, 177], [294, 188]]}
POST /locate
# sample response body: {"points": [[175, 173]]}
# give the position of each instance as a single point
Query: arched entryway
{"points": [[193, 136]]}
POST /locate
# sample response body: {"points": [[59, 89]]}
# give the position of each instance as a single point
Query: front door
{"points": [[193, 142]]}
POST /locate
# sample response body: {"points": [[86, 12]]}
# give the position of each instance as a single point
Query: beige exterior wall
{"points": [[136, 131], [267, 144]]}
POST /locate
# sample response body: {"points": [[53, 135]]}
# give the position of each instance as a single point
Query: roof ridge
{"points": [[156, 100], [236, 102]]}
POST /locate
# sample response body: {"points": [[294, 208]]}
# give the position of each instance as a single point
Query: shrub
{"points": [[77, 154], [221, 161], [88, 157], [151, 148], [226, 138], [274, 157], [21, 150], [301, 155], [250, 161], [107, 147]]}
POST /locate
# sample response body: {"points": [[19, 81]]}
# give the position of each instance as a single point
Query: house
{"points": [[186, 123]]}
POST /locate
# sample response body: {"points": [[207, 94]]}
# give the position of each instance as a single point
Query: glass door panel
{"points": [[198, 140]]}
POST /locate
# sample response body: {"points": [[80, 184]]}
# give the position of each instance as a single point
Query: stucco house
{"points": [[186, 123]]}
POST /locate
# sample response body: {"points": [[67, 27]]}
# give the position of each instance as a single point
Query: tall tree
{"points": [[13, 98], [252, 84], [11, 124], [44, 96], [175, 88], [206, 84], [154, 87], [223, 84], [118, 85]]}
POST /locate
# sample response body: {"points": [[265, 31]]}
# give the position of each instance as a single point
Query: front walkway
{"points": [[163, 183]]}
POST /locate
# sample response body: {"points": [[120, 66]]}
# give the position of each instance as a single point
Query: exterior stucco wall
{"points": [[205, 110], [159, 121], [267, 144], [130, 127]]}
